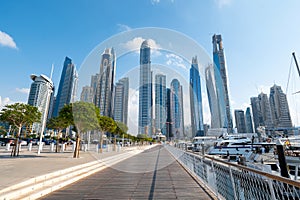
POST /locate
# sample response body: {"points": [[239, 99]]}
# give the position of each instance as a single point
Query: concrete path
{"points": [[152, 174]]}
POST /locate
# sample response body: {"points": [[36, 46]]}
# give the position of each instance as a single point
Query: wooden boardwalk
{"points": [[153, 174]]}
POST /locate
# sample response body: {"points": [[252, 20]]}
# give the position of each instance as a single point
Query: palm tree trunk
{"points": [[76, 152]]}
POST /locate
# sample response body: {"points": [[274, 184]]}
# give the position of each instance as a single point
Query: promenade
{"points": [[132, 174]]}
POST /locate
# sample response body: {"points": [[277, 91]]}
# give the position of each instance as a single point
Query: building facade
{"points": [[39, 96], [104, 97], [279, 108], [67, 88], [248, 119], [177, 119], [121, 100], [145, 91], [222, 87], [240, 121], [87, 94], [196, 100], [160, 103]]}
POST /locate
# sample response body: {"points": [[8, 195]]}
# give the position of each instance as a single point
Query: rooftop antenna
{"points": [[52, 68]]}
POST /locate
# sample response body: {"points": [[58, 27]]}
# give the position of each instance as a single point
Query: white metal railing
{"points": [[232, 181]]}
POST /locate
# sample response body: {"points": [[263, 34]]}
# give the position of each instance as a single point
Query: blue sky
{"points": [[258, 37]]}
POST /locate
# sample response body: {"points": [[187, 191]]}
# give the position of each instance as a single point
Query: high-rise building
{"points": [[248, 120], [280, 108], [217, 120], [221, 81], [145, 91], [104, 98], [240, 121], [39, 96], [121, 100], [160, 103], [66, 93], [196, 100], [265, 110], [94, 82], [87, 94], [168, 110], [176, 100], [256, 112]]}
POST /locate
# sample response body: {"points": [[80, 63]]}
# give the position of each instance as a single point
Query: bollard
{"points": [[73, 147], [52, 147], [29, 146], [85, 147], [107, 146]]}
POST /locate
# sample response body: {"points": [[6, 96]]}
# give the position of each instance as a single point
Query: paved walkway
{"points": [[153, 174], [28, 165]]}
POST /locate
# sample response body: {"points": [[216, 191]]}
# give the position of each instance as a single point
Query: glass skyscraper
{"points": [[160, 103], [145, 91], [67, 86], [240, 121], [177, 119], [248, 118], [121, 100], [196, 100], [221, 82], [104, 98], [39, 96]]}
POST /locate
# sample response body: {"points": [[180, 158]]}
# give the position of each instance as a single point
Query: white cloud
{"points": [[174, 60], [23, 90], [7, 40], [155, 1], [135, 44], [5, 101], [123, 27], [222, 3]]}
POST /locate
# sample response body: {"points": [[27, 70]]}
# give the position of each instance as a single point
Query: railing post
{"points": [[232, 181], [271, 188]]}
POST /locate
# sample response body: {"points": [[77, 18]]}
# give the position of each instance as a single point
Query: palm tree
{"points": [[19, 115]]}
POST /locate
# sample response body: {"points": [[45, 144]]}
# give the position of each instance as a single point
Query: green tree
{"points": [[19, 115], [85, 118], [59, 124], [106, 124]]}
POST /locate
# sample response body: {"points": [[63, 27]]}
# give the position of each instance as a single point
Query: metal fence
{"points": [[233, 181]]}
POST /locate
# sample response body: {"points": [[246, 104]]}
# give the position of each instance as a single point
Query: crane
{"points": [[296, 63]]}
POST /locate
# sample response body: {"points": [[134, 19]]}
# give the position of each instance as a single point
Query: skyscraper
{"points": [[67, 86], [248, 120], [168, 110], [145, 91], [104, 98], [39, 96], [87, 94], [240, 121], [94, 82], [176, 100], [121, 100], [256, 112], [160, 103], [221, 81], [265, 110], [214, 107], [196, 100], [279, 108]]}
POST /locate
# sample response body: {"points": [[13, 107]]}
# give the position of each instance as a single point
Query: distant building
{"points": [[196, 100], [176, 100], [217, 120], [121, 100], [160, 103], [221, 82], [248, 120], [145, 91], [240, 121], [104, 97], [95, 79], [87, 94], [280, 108], [39, 96], [168, 111], [66, 92]]}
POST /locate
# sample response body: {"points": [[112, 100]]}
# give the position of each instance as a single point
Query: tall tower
{"points": [[87, 94], [196, 100], [280, 108], [240, 121], [160, 103], [248, 120], [145, 91], [105, 88], [221, 81], [121, 100], [214, 107], [176, 100], [256, 111], [265, 110], [67, 86], [39, 96]]}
